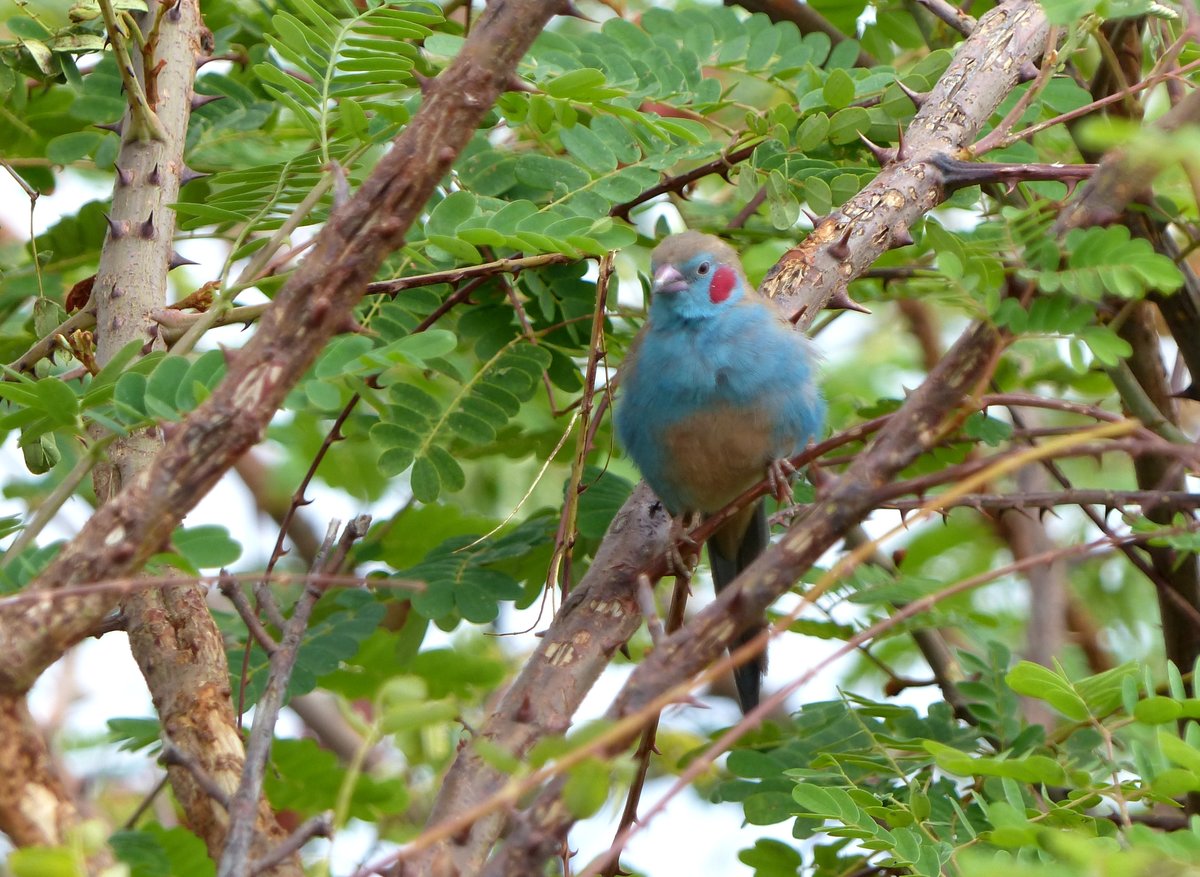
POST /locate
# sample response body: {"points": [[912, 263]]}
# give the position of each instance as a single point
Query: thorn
{"points": [[175, 12], [115, 324], [154, 177], [187, 175], [901, 155], [901, 237], [146, 229], [525, 712], [812, 217], [1027, 73], [424, 83], [115, 127], [353, 326], [199, 100], [917, 97], [178, 261], [117, 292], [882, 154], [124, 177], [516, 83], [841, 250], [202, 60], [566, 7], [841, 301], [116, 230]]}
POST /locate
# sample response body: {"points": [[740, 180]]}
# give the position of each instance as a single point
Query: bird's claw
{"points": [[683, 553], [779, 474]]}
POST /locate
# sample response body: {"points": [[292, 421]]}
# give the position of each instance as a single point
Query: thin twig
{"points": [[320, 825], [173, 756], [947, 13], [234, 593]]}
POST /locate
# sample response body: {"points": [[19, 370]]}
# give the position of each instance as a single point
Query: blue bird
{"points": [[716, 391]]}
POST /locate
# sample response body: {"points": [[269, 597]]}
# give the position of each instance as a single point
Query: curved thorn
{"points": [[178, 261], [841, 249], [187, 175], [882, 154], [917, 97], [199, 100], [841, 301]]}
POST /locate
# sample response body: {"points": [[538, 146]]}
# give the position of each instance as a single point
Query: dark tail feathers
{"points": [[726, 562]]}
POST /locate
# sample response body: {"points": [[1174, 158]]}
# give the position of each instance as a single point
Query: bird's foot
{"points": [[683, 553], [779, 475]]}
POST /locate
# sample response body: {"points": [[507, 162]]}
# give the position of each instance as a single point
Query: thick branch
{"points": [[35, 807], [985, 69], [914, 428], [598, 617]]}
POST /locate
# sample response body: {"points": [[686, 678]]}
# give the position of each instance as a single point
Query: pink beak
{"points": [[668, 279]]}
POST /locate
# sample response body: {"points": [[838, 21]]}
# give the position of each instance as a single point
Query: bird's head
{"points": [[694, 276]]}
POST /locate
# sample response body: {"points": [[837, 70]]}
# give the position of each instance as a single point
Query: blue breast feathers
{"points": [[749, 361]]}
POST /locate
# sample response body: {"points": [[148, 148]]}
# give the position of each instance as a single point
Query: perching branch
{"points": [[839, 249]]}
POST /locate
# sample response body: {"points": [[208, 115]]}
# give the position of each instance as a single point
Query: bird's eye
{"points": [[703, 268]]}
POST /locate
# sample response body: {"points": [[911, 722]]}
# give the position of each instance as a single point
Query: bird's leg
{"points": [[683, 553], [779, 475]]}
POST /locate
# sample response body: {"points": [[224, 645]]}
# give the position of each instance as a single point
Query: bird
{"points": [[717, 391]]}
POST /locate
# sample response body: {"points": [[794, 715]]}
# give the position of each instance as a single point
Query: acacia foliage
{"points": [[462, 396]]}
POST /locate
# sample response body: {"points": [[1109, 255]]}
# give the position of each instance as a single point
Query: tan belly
{"points": [[717, 455]]}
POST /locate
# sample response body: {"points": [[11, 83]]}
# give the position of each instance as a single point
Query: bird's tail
{"points": [[730, 550]]}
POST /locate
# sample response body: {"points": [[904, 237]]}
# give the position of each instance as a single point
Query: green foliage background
{"points": [[470, 412]]}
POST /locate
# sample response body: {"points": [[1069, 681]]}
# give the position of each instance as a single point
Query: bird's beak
{"points": [[668, 279]]}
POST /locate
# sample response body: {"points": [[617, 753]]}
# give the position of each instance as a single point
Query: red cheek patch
{"points": [[723, 281]]}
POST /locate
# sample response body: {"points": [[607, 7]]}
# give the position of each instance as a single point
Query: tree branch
{"points": [[312, 306], [839, 249]]}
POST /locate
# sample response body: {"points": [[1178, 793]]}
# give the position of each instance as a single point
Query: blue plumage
{"points": [[715, 390]]}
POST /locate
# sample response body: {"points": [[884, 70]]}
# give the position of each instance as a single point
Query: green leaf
{"points": [[586, 788], [589, 149], [989, 430], [154, 851], [1106, 345], [847, 124], [1158, 710], [346, 619], [207, 546], [305, 778], [544, 172], [1034, 680], [453, 210], [1179, 752], [67, 148], [839, 89], [134, 735]]}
